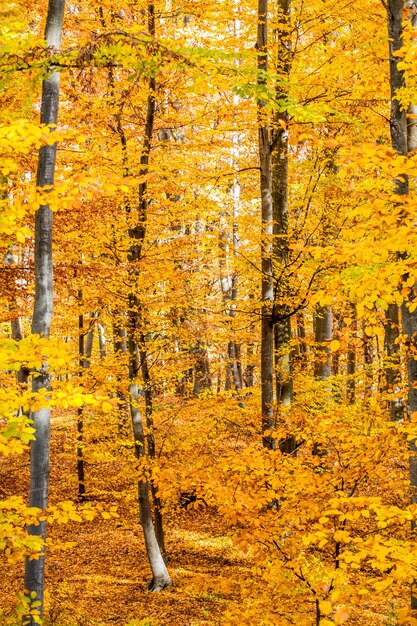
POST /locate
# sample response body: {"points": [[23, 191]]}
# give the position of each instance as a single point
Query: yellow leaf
{"points": [[325, 607], [105, 515], [334, 345], [20, 237]]}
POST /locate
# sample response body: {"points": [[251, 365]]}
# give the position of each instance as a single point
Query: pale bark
{"points": [[147, 384], [22, 374], [42, 313], [101, 341]]}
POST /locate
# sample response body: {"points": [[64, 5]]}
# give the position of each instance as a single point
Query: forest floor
{"points": [[97, 571]]}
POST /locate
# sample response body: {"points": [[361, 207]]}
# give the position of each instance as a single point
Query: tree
{"points": [[42, 313]]}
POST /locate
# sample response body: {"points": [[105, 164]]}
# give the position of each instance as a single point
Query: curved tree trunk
{"points": [[42, 313], [143, 445]]}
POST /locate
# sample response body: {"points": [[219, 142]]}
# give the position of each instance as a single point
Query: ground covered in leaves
{"points": [[97, 571]]}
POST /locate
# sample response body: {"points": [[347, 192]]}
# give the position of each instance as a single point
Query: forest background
{"points": [[229, 193]]}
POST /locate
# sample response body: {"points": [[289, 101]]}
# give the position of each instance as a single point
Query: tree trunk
{"points": [[201, 368], [401, 144], [160, 576], [279, 176], [351, 360], [80, 413], [267, 220], [101, 341], [120, 349], [369, 361], [42, 313], [301, 335], [323, 336], [147, 384], [228, 283], [22, 374], [249, 375], [85, 347], [392, 367]]}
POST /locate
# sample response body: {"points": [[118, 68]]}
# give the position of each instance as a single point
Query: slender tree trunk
{"points": [[351, 360], [279, 175], [160, 576], [101, 341], [22, 374], [85, 347], [398, 127], [369, 363], [301, 335], [267, 220], [201, 368], [338, 325], [392, 367], [42, 313], [249, 374], [401, 144], [147, 383], [323, 336], [228, 283], [120, 350], [80, 412]]}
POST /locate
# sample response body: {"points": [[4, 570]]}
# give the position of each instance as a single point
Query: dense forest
{"points": [[208, 283]]}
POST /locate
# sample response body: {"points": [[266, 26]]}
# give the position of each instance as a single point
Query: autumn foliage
{"points": [[159, 256]]}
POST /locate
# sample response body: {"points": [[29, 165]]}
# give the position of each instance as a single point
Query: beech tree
{"points": [[42, 313]]}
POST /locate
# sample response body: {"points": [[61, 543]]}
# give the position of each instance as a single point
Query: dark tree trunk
{"points": [[279, 181], [144, 446], [392, 368], [120, 350], [301, 335], [267, 220], [202, 380], [323, 336], [351, 361], [401, 144], [85, 347]]}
